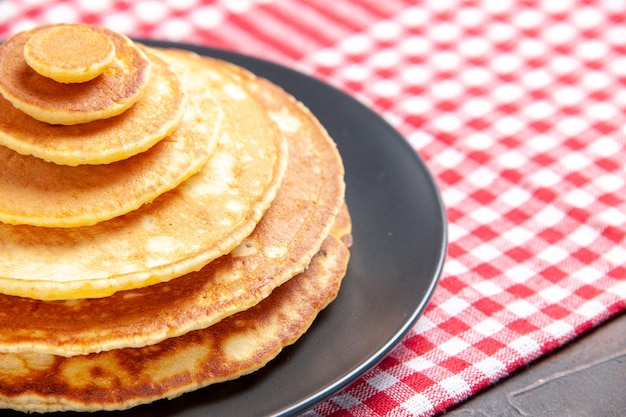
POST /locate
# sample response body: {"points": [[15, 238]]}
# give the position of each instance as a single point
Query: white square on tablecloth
{"points": [[515, 196], [509, 125], [549, 216], [554, 294], [419, 404], [545, 177], [382, 381], [447, 122], [520, 273], [479, 140], [619, 289], [525, 346], [518, 235], [487, 288], [454, 305], [420, 139], [454, 267], [488, 327], [553, 254], [451, 196], [616, 255], [491, 367], [537, 79], [560, 329], [591, 309], [584, 235], [572, 126], [575, 161], [485, 215], [522, 308], [603, 111], [541, 143], [454, 346], [419, 364], [482, 177], [588, 274], [512, 159], [609, 183], [456, 386], [579, 198], [539, 110]]}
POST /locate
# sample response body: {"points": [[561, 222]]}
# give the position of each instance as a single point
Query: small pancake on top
{"points": [[52, 52], [120, 85]]}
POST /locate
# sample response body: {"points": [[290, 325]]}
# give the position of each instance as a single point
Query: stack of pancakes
{"points": [[167, 220]]}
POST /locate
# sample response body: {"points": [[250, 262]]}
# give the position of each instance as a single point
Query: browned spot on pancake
{"points": [[236, 346]]}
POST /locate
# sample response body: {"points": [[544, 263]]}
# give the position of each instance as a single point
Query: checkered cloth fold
{"points": [[517, 109]]}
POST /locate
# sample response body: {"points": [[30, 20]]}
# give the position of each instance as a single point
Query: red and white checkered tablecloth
{"points": [[517, 109]]}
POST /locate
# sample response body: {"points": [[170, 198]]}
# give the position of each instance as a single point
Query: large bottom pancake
{"points": [[236, 346], [291, 231], [152, 118], [40, 193], [179, 232]]}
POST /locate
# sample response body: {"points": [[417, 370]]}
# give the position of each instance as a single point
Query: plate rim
{"points": [[359, 369]]}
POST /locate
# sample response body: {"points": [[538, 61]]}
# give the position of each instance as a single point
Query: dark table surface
{"points": [[586, 378]]}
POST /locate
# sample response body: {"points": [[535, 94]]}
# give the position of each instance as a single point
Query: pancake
{"points": [[69, 53], [121, 85], [182, 230], [308, 203], [238, 345], [39, 193], [113, 139]]}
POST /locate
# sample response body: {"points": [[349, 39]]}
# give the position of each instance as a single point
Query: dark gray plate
{"points": [[399, 230]]}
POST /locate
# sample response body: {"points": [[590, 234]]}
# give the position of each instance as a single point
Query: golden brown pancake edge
{"points": [[304, 209], [236, 346]]}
